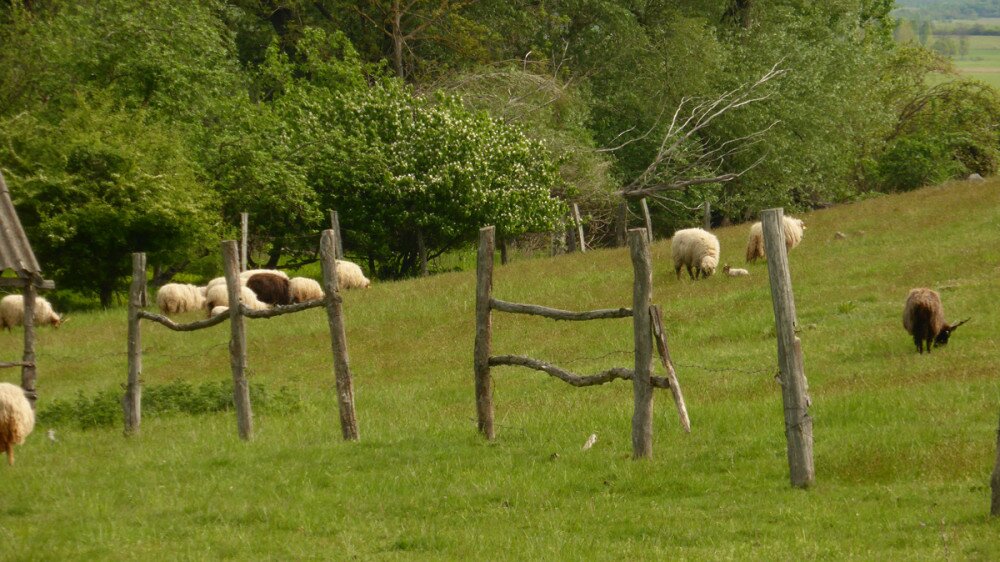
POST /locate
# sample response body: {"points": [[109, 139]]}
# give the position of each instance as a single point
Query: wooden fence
{"points": [[132, 401], [647, 325]]}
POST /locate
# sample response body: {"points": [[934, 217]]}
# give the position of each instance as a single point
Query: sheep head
{"points": [[945, 333]]}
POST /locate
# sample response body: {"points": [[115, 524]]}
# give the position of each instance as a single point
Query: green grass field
{"points": [[983, 60], [904, 443]]}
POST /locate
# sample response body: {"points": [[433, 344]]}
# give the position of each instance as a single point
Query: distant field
{"points": [[983, 60]]}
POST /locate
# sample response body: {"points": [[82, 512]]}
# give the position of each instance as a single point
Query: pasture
{"points": [[904, 443], [983, 60]]}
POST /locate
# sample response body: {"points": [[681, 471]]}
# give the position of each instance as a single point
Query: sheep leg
{"points": [[677, 270], [691, 275], [10, 454]]}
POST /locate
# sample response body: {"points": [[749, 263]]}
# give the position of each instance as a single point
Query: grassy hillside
{"points": [[904, 443]]}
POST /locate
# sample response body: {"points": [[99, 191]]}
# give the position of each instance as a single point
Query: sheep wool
{"points": [[302, 289], [174, 298], [695, 248], [794, 229], [350, 276], [218, 310], [218, 295], [16, 418], [270, 288], [735, 271], [12, 312]]}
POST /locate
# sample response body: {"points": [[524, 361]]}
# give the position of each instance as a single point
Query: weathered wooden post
{"points": [[649, 220], [995, 482], [335, 227], [244, 229], [132, 401], [621, 224], [578, 222], [29, 374], [642, 389], [484, 332], [706, 219], [794, 388], [338, 336], [237, 342]]}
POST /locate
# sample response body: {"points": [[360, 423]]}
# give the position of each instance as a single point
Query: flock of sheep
{"points": [[259, 289], [698, 251]]}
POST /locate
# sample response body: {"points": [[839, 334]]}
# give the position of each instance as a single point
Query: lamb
{"points": [[694, 247], [218, 295], [734, 271], [302, 289], [16, 418], [794, 230], [174, 298], [270, 288], [923, 318], [12, 312], [350, 276]]}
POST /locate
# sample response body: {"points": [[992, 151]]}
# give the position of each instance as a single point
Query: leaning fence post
{"points": [[794, 387], [132, 401], [578, 222], [706, 219], [335, 226], [649, 220], [642, 389], [484, 332], [338, 336], [29, 374], [237, 342], [244, 230]]}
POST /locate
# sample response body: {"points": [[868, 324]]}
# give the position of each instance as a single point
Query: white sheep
{"points": [[174, 298], [16, 418], [218, 310], [302, 289], [350, 276], [735, 271], [12, 312], [218, 295], [794, 230], [697, 248]]}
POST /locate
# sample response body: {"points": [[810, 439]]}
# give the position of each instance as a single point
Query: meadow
{"points": [[983, 60], [904, 443]]}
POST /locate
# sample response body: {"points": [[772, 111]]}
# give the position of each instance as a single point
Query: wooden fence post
{"points": [[706, 220], [578, 222], [621, 224], [244, 229], [132, 401], [335, 227], [995, 482], [649, 220], [338, 336], [237, 342], [642, 389], [29, 374], [794, 388], [484, 332]]}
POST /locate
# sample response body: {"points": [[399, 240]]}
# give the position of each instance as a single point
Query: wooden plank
{"points": [[660, 338], [484, 333], [132, 401], [29, 374], [338, 336], [237, 342], [794, 388], [556, 314], [642, 389]]}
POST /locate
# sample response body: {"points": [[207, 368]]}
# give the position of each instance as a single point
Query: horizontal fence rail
{"points": [[556, 314], [572, 378], [188, 327], [281, 310]]}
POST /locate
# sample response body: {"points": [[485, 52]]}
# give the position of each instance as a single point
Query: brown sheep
{"points": [[923, 318], [270, 288]]}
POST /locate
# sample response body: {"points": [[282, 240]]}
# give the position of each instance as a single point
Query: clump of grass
{"points": [[103, 408]]}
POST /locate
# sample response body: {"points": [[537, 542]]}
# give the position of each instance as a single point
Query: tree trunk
{"points": [[106, 293], [422, 252], [504, 251], [274, 256], [397, 39]]}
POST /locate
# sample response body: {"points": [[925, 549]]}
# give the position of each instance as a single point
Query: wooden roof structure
{"points": [[15, 250]]}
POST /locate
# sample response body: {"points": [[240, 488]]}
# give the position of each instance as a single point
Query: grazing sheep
{"points": [[735, 271], [794, 230], [174, 298], [923, 318], [302, 289], [350, 276], [697, 248], [16, 418], [218, 295], [12, 312], [270, 288]]}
